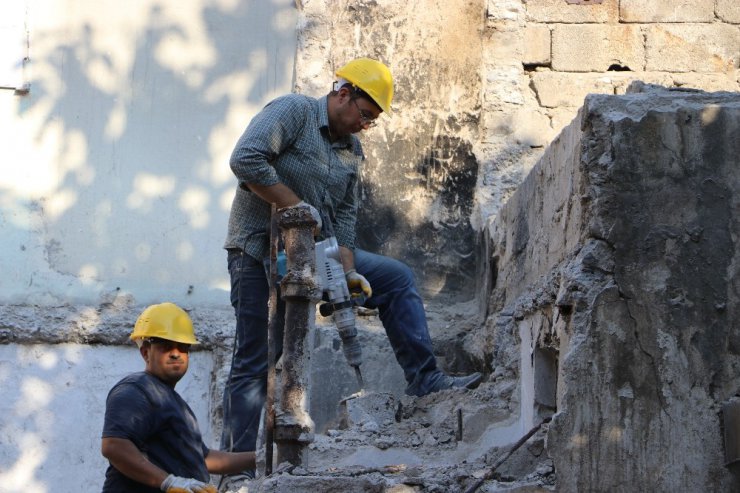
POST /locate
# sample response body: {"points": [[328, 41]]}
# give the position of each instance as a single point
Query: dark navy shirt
{"points": [[145, 410]]}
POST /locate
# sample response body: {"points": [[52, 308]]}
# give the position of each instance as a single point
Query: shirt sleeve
{"points": [[128, 414], [269, 133]]}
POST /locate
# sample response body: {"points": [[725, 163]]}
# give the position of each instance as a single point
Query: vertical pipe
{"points": [[273, 318], [293, 425]]}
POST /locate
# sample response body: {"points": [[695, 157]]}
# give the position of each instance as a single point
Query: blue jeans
{"points": [[394, 295]]}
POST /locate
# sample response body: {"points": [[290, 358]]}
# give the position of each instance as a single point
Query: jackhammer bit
{"points": [[339, 302]]}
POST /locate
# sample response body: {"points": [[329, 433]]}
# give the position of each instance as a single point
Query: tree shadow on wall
{"points": [[144, 185], [140, 203]]}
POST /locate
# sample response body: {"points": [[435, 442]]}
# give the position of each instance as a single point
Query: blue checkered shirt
{"points": [[288, 142]]}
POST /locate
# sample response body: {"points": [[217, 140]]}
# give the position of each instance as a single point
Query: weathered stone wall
{"points": [[421, 173], [615, 266], [482, 88]]}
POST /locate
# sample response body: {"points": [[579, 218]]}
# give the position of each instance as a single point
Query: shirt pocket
{"points": [[343, 173]]}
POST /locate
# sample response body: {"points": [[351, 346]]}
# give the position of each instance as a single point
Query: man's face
{"points": [[166, 360], [354, 115]]}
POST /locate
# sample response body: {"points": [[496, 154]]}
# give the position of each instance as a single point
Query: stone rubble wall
{"points": [[618, 255]]}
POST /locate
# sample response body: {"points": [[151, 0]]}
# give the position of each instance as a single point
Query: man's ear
{"points": [[144, 352], [344, 92]]}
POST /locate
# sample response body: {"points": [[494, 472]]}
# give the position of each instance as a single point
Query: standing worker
{"points": [[150, 435], [302, 150]]}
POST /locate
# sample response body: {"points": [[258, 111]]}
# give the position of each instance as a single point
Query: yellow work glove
{"points": [[177, 484], [357, 282]]}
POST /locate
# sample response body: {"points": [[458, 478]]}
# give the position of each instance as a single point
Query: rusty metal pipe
{"points": [[293, 425]]}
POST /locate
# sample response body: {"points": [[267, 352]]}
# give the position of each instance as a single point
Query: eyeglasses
{"points": [[168, 345], [366, 118]]}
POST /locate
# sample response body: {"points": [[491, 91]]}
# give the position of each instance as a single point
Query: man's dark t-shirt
{"points": [[145, 410]]}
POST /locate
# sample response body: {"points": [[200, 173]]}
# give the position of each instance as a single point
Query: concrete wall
{"points": [[614, 266]]}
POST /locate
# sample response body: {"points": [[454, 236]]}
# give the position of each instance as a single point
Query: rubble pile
{"points": [[385, 441]]}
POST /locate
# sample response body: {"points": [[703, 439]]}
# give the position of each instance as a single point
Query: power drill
{"points": [[339, 301]]}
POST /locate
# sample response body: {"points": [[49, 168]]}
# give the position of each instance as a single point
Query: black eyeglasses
{"points": [[366, 118], [168, 345]]}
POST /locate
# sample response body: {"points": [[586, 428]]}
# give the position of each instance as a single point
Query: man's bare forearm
{"points": [[128, 459], [279, 194], [221, 462]]}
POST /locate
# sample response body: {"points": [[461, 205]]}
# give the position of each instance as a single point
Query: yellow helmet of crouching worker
{"points": [[371, 76], [164, 321]]}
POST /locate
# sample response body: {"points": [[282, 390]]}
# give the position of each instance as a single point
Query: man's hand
{"points": [[357, 282], [176, 484]]}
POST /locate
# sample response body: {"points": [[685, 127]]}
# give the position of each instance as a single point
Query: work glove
{"points": [[357, 282], [314, 214], [177, 484]]}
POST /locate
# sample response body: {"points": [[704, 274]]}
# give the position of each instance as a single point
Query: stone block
{"points": [[666, 11], [504, 44], [531, 128], [506, 10], [622, 80], [707, 82], [563, 12], [503, 85], [536, 45], [562, 117], [728, 11], [595, 48], [558, 89], [692, 47]]}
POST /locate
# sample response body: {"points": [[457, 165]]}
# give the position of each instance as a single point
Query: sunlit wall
{"points": [[114, 174]]}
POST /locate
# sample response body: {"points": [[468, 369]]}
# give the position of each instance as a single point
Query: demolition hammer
{"points": [[338, 301]]}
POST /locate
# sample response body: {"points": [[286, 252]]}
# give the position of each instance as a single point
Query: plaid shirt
{"points": [[288, 142]]}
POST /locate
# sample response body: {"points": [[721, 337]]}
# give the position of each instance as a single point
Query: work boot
{"points": [[235, 483], [465, 382], [447, 382]]}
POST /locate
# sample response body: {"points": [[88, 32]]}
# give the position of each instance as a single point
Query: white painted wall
{"points": [[114, 179], [114, 168]]}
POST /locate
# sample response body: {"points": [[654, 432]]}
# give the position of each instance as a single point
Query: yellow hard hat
{"points": [[165, 321], [371, 76]]}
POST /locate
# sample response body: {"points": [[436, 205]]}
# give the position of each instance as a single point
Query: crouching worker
{"points": [[150, 435]]}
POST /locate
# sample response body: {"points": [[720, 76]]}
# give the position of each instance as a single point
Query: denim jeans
{"points": [[401, 311]]}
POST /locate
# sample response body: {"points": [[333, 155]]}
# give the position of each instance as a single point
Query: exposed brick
{"points": [[729, 11], [536, 45], [594, 47], [692, 47], [667, 10], [563, 12]]}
